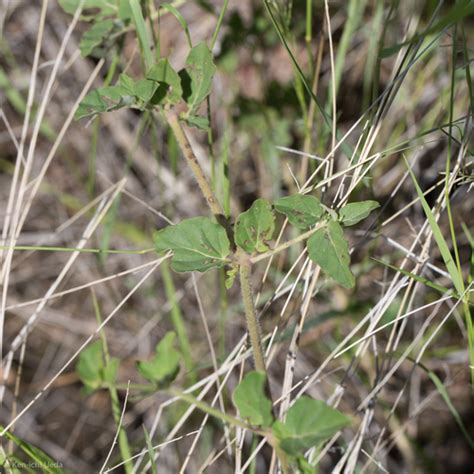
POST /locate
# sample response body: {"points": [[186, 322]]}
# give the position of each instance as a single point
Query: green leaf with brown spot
{"points": [[255, 227], [302, 211], [198, 76]]}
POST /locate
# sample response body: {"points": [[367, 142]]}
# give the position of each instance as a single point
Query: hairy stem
{"points": [[193, 163], [251, 316]]}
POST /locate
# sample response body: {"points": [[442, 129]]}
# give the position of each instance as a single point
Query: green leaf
{"points": [[230, 276], [175, 12], [104, 99], [109, 371], [142, 89], [92, 370], [456, 275], [88, 366], [164, 366], [126, 93], [354, 212], [142, 32], [125, 12], [198, 122], [303, 466], [328, 248], [252, 402], [95, 37], [91, 9], [145, 90], [255, 226], [198, 244], [39, 457], [170, 91], [302, 211], [308, 423], [200, 70]]}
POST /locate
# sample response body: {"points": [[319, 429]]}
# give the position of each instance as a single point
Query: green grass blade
{"points": [[142, 33], [438, 235], [177, 318], [444, 394], [150, 451], [442, 289], [175, 12]]}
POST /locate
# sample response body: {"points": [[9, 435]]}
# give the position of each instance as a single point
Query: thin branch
{"points": [[193, 163], [289, 243]]}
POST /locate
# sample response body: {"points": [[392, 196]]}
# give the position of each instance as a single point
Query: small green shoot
{"points": [[164, 366], [249, 397], [92, 369]]}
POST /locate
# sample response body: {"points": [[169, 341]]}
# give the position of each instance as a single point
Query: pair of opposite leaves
{"points": [[199, 243]]}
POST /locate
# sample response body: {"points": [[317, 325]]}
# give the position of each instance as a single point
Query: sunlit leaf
{"points": [[104, 99], [197, 121]]}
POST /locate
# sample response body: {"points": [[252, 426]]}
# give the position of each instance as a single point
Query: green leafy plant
{"points": [[94, 371], [164, 366], [308, 422], [204, 243]]}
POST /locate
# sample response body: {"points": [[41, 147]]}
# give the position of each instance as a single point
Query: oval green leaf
{"points": [[255, 226], [302, 211], [354, 212], [328, 248], [93, 371], [200, 70], [308, 423], [164, 366], [250, 399], [95, 37], [198, 244]]}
